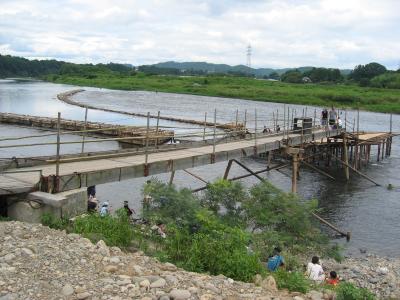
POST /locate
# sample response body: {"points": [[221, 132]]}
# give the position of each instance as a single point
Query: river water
{"points": [[369, 212]]}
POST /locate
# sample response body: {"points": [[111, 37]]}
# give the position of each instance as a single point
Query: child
{"points": [[333, 279], [275, 261]]}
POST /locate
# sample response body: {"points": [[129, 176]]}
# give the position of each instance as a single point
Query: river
{"points": [[369, 212]]}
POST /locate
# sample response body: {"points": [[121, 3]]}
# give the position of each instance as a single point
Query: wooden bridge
{"points": [[83, 171]]}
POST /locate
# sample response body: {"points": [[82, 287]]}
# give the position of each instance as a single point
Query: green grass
{"points": [[339, 95]]}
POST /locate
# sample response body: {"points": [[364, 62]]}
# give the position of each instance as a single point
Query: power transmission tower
{"points": [[248, 56]]}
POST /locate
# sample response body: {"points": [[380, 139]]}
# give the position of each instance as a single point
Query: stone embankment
{"points": [[381, 275], [37, 262]]}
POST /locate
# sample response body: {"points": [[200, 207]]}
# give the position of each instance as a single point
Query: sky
{"points": [[282, 33]]}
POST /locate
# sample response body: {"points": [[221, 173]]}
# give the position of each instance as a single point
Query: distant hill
{"points": [[223, 68]]}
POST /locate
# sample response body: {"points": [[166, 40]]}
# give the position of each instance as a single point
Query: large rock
{"points": [[269, 284], [179, 294]]}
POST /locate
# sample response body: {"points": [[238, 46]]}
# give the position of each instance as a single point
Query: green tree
{"points": [[364, 73], [292, 76]]}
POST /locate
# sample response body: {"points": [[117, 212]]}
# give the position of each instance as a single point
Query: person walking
{"points": [[324, 117]]}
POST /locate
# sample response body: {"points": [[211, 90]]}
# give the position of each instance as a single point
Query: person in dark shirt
{"points": [[129, 211]]}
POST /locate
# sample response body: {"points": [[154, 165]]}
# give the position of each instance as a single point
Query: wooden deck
{"points": [[97, 171]]}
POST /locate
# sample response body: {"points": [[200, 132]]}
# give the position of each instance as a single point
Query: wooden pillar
{"points": [[205, 126], [346, 159], [84, 130], [269, 157], [171, 178], [228, 168], [295, 158], [157, 129], [383, 149], [58, 145], [379, 152]]}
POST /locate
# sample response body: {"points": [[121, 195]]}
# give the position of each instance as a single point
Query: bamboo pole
{"points": [[205, 126], [158, 123], [294, 172], [84, 128], [58, 145], [228, 168], [237, 120], [195, 176], [245, 121], [255, 129], [317, 170], [346, 158], [171, 178], [147, 140], [347, 234], [215, 129]]}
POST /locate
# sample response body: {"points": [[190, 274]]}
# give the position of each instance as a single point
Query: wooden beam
{"points": [[317, 170]]}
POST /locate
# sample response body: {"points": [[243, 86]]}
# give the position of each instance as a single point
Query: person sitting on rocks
{"points": [[276, 260], [333, 279], [314, 270]]}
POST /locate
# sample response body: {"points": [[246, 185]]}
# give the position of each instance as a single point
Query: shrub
{"points": [[293, 281], [347, 291], [114, 230], [54, 222]]}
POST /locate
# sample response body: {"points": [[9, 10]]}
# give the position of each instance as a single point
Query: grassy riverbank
{"points": [[339, 95]]}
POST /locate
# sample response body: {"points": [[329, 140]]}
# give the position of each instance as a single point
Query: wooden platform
{"points": [[92, 172], [102, 129]]}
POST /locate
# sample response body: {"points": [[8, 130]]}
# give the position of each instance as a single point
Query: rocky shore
{"points": [[37, 262]]}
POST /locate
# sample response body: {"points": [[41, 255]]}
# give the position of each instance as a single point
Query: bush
{"points": [[347, 291], [215, 248], [114, 230], [293, 281], [54, 222]]}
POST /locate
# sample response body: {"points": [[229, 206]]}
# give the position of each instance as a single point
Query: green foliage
{"points": [[293, 281], [347, 291], [4, 219], [226, 197], [388, 80], [364, 73], [54, 222], [169, 204], [114, 230], [214, 248], [292, 77], [324, 75]]}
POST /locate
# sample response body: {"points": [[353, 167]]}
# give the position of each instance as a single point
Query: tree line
{"points": [[372, 74]]}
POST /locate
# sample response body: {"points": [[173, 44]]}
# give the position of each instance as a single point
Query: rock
{"points": [[315, 295], [83, 295], [9, 257], [171, 279], [298, 298], [373, 280], [257, 279], [179, 294], [67, 290], [164, 297], [158, 283], [102, 248], [382, 270], [269, 284], [27, 251], [115, 260], [168, 267], [145, 283], [123, 282], [110, 269], [211, 287]]}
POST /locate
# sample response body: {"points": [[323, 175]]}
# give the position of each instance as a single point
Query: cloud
{"points": [[283, 33]]}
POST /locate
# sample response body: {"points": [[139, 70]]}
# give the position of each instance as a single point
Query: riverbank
{"points": [[37, 262], [339, 95]]}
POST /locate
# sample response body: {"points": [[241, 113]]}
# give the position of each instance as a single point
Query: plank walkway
{"points": [[92, 172]]}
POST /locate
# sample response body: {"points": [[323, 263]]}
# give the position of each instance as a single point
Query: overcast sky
{"points": [[282, 33]]}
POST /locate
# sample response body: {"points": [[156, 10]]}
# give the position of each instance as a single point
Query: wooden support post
{"points": [[317, 170], [315, 116], [214, 136], [146, 157], [379, 151], [205, 126], [237, 120], [383, 149], [359, 173], [248, 170], [391, 121], [195, 176], [295, 158], [255, 131], [157, 126], [269, 157], [171, 178], [84, 130], [58, 145], [346, 159], [347, 234], [273, 121], [245, 122], [228, 168]]}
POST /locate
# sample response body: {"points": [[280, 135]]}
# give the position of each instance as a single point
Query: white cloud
{"points": [[335, 33]]}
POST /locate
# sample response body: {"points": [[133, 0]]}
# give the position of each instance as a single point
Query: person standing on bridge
{"points": [[332, 116], [324, 117]]}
